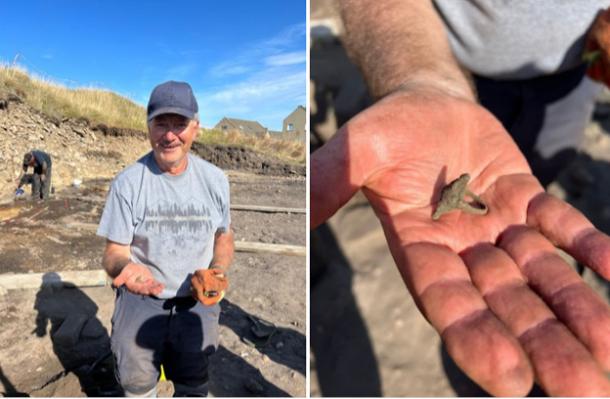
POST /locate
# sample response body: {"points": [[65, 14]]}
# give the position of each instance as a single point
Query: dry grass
{"points": [[289, 151], [111, 109], [59, 102]]}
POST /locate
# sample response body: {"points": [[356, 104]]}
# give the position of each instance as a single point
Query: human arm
{"points": [[508, 309], [136, 277], [18, 179], [401, 44], [224, 249], [401, 48]]}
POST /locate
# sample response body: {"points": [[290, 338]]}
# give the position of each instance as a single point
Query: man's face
{"points": [[171, 137]]}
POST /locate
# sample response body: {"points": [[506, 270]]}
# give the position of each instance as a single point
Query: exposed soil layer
{"points": [[83, 151], [59, 235], [239, 158]]}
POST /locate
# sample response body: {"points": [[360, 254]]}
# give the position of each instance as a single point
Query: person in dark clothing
{"points": [[41, 178]]}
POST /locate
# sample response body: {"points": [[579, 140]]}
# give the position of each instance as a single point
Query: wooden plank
{"points": [[236, 207], [269, 209], [259, 247], [96, 278], [81, 278]]}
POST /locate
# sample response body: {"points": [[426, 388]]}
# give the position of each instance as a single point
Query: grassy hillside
{"points": [[57, 101], [111, 109]]}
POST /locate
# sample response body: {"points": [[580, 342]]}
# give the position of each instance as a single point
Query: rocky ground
{"points": [[361, 347], [59, 235]]}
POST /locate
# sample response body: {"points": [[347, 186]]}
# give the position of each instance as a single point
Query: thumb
{"points": [[335, 176], [121, 278]]}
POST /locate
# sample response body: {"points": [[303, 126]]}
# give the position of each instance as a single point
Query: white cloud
{"points": [[264, 81], [260, 98], [181, 72], [295, 57], [275, 51], [229, 68], [286, 37], [263, 87]]}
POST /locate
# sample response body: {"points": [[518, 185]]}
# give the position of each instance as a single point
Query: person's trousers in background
{"points": [[41, 188], [546, 116]]}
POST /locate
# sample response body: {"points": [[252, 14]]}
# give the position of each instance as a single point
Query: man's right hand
{"points": [[138, 279], [508, 308]]}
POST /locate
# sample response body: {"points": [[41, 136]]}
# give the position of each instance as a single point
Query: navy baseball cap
{"points": [[172, 98]]}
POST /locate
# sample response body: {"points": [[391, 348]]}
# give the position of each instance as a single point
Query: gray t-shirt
{"points": [[518, 39], [168, 221]]}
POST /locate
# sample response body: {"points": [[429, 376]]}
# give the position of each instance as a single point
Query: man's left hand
{"points": [[208, 285]]}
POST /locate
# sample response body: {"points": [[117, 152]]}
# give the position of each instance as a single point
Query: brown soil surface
{"points": [[59, 235]]}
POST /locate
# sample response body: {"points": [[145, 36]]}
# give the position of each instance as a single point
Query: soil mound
{"points": [[238, 158]]}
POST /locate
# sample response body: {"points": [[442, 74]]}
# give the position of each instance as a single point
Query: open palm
{"points": [[508, 308]]}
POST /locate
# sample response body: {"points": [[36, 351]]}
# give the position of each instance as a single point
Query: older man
{"points": [[169, 245]]}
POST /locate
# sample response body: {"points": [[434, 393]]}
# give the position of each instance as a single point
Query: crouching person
{"points": [[40, 178]]}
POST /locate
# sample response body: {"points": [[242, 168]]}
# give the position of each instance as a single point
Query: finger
{"points": [[143, 284], [121, 278], [571, 231], [442, 288], [569, 297], [156, 288], [197, 288], [334, 177], [563, 366], [137, 287]]}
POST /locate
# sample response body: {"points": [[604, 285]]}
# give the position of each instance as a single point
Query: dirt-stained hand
{"points": [[208, 285], [138, 279], [508, 308]]}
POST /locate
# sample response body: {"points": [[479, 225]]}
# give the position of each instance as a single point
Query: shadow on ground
{"points": [[80, 341], [342, 351], [281, 345]]}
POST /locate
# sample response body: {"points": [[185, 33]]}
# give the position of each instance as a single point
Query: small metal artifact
{"points": [[452, 197]]}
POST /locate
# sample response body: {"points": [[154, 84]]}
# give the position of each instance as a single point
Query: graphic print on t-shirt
{"points": [[177, 230], [175, 219]]}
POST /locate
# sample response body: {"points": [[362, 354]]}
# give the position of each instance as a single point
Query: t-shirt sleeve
{"points": [[117, 222], [225, 222]]}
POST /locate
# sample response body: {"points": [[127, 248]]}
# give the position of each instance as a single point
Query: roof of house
{"points": [[242, 125]]}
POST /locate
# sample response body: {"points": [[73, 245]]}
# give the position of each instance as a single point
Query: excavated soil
{"points": [[59, 235]]}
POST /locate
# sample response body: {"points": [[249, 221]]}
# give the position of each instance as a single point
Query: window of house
{"points": [[290, 127]]}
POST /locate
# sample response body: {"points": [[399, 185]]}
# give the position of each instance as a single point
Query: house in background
{"points": [[227, 125], [294, 124]]}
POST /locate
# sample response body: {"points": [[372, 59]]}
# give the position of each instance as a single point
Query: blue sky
{"points": [[245, 59]]}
